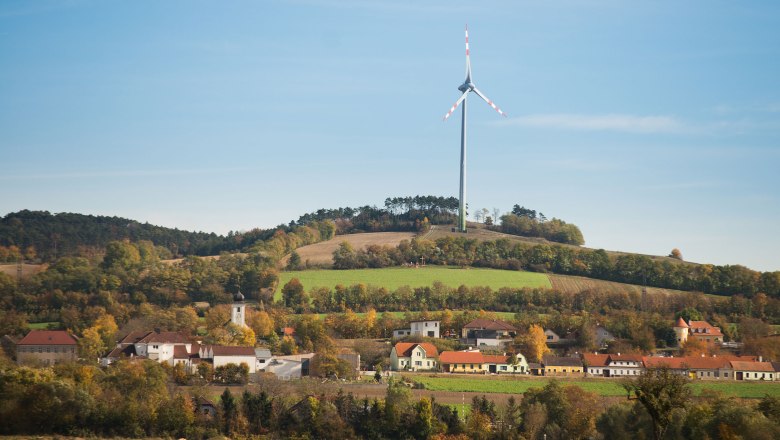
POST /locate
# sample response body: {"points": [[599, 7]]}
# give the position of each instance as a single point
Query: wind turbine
{"points": [[466, 87]]}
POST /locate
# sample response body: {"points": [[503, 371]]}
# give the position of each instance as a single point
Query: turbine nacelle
{"points": [[467, 87]]}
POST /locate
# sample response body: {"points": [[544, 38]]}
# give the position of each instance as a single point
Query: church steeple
{"points": [[238, 311]]}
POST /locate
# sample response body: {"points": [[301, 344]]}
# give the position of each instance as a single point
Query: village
{"points": [[490, 351]]}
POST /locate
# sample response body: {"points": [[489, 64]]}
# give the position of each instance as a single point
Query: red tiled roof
{"points": [[495, 359], [223, 350], [133, 337], [180, 352], [595, 360], [461, 357], [681, 323], [489, 324], [626, 357], [703, 325], [404, 349], [752, 366], [668, 362], [48, 337], [166, 338]]}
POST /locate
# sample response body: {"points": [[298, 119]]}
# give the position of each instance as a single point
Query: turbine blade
{"points": [[468, 57], [457, 103], [490, 103]]}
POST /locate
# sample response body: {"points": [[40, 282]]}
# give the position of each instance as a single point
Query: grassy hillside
{"points": [[395, 277]]}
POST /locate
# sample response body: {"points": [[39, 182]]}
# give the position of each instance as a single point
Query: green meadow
{"points": [[395, 277], [603, 387]]}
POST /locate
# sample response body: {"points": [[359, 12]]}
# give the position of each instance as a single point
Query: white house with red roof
{"points": [[414, 356], [620, 365], [595, 364], [47, 347], [177, 348], [476, 362]]}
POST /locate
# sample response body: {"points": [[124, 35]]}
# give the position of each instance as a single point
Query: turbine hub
{"points": [[466, 86]]}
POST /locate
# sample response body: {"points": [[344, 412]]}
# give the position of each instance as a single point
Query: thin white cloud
{"points": [[115, 174], [606, 122]]}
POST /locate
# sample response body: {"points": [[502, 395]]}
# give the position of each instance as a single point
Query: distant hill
{"points": [[56, 235]]}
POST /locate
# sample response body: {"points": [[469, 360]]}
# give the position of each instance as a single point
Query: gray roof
{"points": [[555, 361]]}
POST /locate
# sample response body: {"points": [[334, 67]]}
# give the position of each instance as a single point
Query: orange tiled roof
{"points": [[48, 337], [752, 366], [703, 325], [461, 357], [495, 358], [404, 349], [595, 360]]}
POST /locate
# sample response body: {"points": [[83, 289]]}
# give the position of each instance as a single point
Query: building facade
{"points": [[47, 347]]}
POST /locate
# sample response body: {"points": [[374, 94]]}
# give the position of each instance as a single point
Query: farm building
{"points": [[47, 347]]}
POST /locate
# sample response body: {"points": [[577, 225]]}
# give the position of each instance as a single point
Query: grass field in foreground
{"points": [[603, 387], [395, 277]]}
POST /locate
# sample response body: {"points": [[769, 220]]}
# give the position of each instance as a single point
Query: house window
{"points": [[418, 363], [155, 346]]}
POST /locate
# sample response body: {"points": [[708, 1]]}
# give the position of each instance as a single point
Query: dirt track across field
{"points": [[322, 253]]}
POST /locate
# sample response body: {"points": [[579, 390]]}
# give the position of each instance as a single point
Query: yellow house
{"points": [[561, 366], [462, 362]]}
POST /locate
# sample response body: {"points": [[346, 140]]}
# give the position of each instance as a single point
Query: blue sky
{"points": [[650, 125]]}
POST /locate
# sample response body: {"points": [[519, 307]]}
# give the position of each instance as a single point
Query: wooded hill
{"points": [[43, 236]]}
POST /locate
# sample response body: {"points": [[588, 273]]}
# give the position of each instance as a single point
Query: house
{"points": [[699, 367], [489, 338], [289, 367], [747, 370], [402, 333], [502, 364], [351, 357], [476, 362], [462, 362], [503, 329], [551, 337], [262, 356], [603, 336], [204, 407], [699, 330], [535, 368], [156, 345], [620, 365], [47, 347], [561, 366], [174, 348], [221, 355], [428, 329], [414, 356], [594, 364]]}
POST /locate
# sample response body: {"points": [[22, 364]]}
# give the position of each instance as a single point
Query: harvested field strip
{"points": [[504, 316], [603, 387], [395, 277]]}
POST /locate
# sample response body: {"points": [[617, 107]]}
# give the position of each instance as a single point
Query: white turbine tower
{"points": [[466, 87]]}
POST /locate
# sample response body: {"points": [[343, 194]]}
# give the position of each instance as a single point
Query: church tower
{"points": [[238, 312]]}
